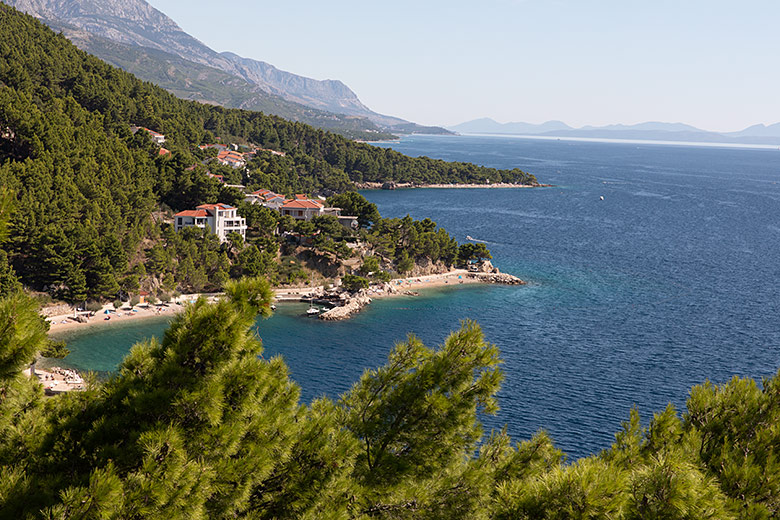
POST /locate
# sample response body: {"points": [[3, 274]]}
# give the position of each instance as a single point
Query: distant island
{"points": [[758, 134]]}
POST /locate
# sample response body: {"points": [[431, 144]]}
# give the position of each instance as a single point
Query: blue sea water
{"points": [[671, 280]]}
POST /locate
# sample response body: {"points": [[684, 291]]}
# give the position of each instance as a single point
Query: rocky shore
{"points": [[354, 303]]}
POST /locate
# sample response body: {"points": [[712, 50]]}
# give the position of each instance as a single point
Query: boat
{"points": [[312, 310]]}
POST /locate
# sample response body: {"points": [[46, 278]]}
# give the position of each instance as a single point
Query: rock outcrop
{"points": [[353, 306], [496, 277]]}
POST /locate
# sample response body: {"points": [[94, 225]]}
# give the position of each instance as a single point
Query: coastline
{"points": [[395, 288], [409, 185]]}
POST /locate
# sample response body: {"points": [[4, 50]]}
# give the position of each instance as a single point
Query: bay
{"points": [[669, 281]]}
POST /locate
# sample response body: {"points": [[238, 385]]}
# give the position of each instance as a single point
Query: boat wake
{"points": [[469, 237]]}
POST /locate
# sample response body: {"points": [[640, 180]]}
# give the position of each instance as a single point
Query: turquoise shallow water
{"points": [[670, 280]]}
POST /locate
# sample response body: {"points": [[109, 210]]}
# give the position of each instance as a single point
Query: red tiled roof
{"points": [[230, 155], [193, 213], [215, 206], [302, 204], [163, 151]]}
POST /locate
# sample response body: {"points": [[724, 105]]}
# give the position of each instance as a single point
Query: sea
{"points": [[650, 267]]}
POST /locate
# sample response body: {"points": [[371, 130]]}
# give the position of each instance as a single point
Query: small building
{"points": [[217, 147], [231, 158], [265, 198], [349, 222], [220, 218], [157, 137], [302, 208]]}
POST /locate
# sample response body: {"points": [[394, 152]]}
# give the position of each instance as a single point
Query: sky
{"points": [[709, 63]]}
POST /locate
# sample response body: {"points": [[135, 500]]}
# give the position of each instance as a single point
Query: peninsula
{"points": [[157, 198]]}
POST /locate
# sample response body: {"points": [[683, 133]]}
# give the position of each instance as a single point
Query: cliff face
{"points": [[332, 95]]}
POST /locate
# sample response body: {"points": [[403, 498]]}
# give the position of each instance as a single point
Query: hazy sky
{"points": [[709, 63]]}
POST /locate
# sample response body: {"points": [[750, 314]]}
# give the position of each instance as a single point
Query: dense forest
{"points": [[199, 425], [84, 188]]}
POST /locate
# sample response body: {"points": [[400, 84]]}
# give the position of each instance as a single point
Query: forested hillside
{"points": [[199, 426], [84, 187], [198, 82]]}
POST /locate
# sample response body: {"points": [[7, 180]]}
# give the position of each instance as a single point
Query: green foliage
{"points": [[404, 262], [198, 425], [135, 300], [469, 251], [418, 413], [94, 306], [56, 349], [407, 240], [354, 283], [22, 334], [370, 265], [354, 204], [7, 205], [737, 435], [9, 283]]}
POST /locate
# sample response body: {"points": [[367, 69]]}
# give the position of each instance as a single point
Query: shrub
{"points": [[94, 306], [383, 276], [354, 283], [135, 300]]}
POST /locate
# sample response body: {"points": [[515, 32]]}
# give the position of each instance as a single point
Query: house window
{"points": [[179, 222]]}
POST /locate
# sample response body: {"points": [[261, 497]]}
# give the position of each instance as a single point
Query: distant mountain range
{"points": [[653, 131], [135, 36]]}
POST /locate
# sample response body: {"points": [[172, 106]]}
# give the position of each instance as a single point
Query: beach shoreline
{"points": [[395, 288]]}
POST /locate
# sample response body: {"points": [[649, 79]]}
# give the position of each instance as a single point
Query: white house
{"points": [[221, 219], [302, 208]]}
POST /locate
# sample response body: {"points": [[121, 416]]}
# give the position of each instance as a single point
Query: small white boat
{"points": [[312, 311], [601, 198]]}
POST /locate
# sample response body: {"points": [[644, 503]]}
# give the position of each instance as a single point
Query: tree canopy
{"points": [[199, 425]]}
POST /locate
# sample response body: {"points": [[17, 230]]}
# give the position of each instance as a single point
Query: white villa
{"points": [[221, 219], [302, 208]]}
